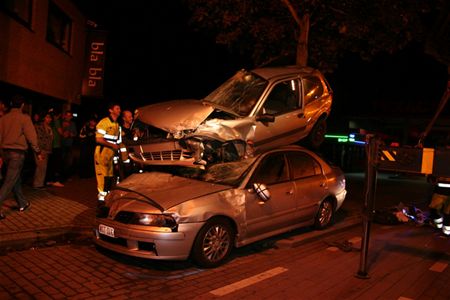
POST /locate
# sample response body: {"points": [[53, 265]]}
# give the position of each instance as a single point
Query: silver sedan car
{"points": [[203, 214], [251, 112]]}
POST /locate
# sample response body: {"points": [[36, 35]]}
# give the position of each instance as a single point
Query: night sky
{"points": [[154, 55]]}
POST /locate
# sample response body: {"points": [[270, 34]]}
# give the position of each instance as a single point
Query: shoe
{"points": [[2, 216], [27, 206], [57, 184]]}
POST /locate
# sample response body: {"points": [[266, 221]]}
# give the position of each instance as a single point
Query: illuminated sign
{"points": [[95, 64]]}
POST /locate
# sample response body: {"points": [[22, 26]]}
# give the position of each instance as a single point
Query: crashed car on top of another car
{"points": [[253, 111], [190, 212]]}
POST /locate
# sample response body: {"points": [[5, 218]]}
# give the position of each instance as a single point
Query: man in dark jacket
{"points": [[16, 131]]}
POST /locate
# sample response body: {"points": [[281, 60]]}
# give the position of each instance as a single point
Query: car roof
{"points": [[273, 72]]}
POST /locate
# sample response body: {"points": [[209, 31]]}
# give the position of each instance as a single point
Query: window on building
{"points": [[59, 27], [18, 9]]}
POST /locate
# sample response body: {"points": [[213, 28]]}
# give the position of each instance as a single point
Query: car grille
{"points": [[163, 155]]}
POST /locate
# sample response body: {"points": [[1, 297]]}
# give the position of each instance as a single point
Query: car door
{"points": [[289, 126], [309, 181], [280, 209]]}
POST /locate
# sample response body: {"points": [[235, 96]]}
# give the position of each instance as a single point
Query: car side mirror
{"points": [[265, 118], [262, 191]]}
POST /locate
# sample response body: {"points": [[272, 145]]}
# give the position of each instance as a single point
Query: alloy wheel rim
{"points": [[325, 213], [216, 243]]}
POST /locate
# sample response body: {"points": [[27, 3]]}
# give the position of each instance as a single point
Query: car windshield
{"points": [[230, 173], [240, 93]]}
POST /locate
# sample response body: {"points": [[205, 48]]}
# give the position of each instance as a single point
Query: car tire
{"points": [[317, 135], [213, 243], [325, 214]]}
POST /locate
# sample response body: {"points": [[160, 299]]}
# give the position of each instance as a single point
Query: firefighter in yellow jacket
{"points": [[108, 138]]}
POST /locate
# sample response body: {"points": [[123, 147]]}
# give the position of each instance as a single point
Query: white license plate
{"points": [[106, 230]]}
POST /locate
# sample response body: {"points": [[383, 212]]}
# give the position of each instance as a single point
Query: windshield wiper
{"points": [[149, 200]]}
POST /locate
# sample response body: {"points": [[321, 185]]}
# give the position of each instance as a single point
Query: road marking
{"points": [[438, 267], [225, 290]]}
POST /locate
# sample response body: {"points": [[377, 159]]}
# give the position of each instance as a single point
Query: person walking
{"points": [[45, 140], [108, 138], [16, 129]]}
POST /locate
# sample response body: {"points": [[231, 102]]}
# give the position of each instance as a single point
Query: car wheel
{"points": [[213, 243], [317, 134], [325, 215]]}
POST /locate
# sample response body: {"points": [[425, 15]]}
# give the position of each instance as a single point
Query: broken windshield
{"points": [[230, 173], [240, 93]]}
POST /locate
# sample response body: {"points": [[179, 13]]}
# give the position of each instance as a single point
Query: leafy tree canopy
{"points": [[267, 30]]}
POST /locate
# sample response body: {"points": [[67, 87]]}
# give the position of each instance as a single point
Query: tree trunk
{"points": [[302, 42]]}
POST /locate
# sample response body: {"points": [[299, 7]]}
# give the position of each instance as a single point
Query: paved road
{"points": [[405, 261]]}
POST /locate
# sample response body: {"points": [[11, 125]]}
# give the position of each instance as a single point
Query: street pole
{"points": [[372, 144]]}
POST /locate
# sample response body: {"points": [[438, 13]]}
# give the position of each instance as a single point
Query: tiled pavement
{"points": [[55, 213]]}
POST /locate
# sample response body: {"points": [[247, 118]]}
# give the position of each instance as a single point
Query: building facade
{"points": [[42, 52]]}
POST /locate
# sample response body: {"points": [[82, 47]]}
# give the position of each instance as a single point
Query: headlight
{"points": [[156, 220]]}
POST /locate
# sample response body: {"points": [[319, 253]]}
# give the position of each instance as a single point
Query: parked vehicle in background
{"points": [[189, 212], [251, 112]]}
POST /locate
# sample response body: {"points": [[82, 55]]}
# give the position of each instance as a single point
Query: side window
{"points": [[271, 170], [59, 27], [282, 98], [312, 89], [303, 165]]}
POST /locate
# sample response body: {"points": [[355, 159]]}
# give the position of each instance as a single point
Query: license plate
{"points": [[106, 230]]}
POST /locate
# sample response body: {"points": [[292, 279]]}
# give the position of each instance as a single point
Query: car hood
{"points": [[164, 189], [175, 115]]}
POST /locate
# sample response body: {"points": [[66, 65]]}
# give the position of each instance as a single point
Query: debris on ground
{"points": [[400, 214]]}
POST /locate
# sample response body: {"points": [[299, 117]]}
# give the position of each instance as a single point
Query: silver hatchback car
{"points": [[203, 214], [251, 112]]}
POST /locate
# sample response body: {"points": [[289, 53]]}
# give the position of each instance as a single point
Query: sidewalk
{"points": [[56, 214]]}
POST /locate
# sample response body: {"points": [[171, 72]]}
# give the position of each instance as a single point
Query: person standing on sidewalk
{"points": [[69, 132], [45, 139], [108, 138], [87, 148], [54, 170], [16, 129]]}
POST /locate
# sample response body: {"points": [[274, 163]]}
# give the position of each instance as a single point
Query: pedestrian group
{"points": [[49, 138]]}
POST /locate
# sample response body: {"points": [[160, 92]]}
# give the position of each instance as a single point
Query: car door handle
{"points": [[301, 115], [290, 192], [323, 184]]}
